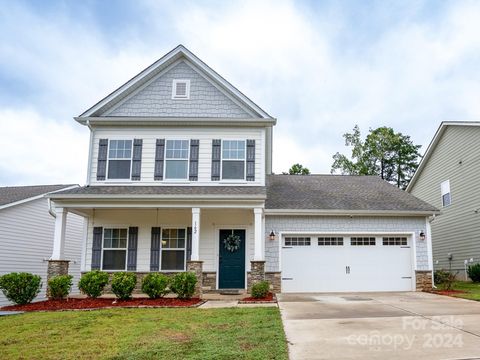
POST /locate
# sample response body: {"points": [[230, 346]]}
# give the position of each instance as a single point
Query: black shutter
{"points": [[97, 248], [216, 156], [194, 147], [189, 243], [159, 154], [155, 249], [102, 159], [250, 160], [137, 159], [132, 248]]}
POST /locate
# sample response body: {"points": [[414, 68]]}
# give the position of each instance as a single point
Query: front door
{"points": [[231, 266]]}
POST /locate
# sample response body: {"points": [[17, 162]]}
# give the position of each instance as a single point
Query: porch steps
{"points": [[232, 292]]}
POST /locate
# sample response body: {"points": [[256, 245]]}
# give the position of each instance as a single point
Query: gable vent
{"points": [[181, 89]]}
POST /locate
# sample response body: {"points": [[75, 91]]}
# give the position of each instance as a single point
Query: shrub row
{"points": [[22, 288]]}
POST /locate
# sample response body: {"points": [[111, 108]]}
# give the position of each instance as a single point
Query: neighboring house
{"points": [[447, 177], [180, 178], [27, 230]]}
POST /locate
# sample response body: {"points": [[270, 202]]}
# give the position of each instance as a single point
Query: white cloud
{"points": [[38, 150]]}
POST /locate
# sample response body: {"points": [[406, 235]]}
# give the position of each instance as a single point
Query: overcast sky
{"points": [[319, 67]]}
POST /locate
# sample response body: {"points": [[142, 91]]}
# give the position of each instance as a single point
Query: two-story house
{"points": [[180, 178], [447, 177]]}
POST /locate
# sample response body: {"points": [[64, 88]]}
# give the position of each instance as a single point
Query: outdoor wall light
{"points": [[422, 235], [272, 236]]}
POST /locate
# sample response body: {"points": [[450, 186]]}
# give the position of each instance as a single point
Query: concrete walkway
{"points": [[380, 326]]}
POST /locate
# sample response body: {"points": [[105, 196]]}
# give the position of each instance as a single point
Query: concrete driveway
{"points": [[380, 326]]}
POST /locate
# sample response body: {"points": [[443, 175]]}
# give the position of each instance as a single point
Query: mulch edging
{"points": [[269, 299], [103, 303]]}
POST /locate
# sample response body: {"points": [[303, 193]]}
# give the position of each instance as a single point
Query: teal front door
{"points": [[231, 267]]}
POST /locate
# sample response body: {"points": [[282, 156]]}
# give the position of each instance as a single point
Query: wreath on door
{"points": [[232, 242]]}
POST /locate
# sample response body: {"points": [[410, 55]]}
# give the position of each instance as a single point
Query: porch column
{"points": [[59, 236], [195, 234], [258, 254]]}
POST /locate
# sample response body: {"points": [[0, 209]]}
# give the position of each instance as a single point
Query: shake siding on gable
{"points": [[457, 229], [205, 135], [27, 238]]}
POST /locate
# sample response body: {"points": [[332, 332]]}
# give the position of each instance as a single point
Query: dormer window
{"points": [[181, 89]]}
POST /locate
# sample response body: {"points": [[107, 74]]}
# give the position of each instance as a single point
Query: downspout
{"points": [[430, 220]]}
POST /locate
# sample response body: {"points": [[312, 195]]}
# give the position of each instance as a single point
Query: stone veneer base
{"points": [[423, 280]]}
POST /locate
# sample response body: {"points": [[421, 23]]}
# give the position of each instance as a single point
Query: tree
{"points": [[385, 153], [298, 169]]}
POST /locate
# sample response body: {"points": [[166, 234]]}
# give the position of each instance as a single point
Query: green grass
{"points": [[236, 333], [472, 290]]}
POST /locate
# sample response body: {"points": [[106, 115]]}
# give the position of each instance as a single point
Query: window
{"points": [[446, 197], [173, 249], [233, 160], [395, 241], [115, 249], [119, 159], [362, 241], [176, 159], [297, 241], [330, 241], [181, 89]]}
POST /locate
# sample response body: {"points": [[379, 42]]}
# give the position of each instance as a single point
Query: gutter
{"points": [[351, 213]]}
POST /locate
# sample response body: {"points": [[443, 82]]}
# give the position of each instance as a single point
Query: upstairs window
{"points": [[176, 159], [233, 160], [119, 159], [446, 196], [181, 89]]}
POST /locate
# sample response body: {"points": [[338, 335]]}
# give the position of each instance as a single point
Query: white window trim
{"points": [[107, 179], [445, 189], [165, 178], [244, 163], [167, 249], [174, 89], [104, 248]]}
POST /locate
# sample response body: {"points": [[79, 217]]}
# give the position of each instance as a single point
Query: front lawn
{"points": [[472, 290], [236, 333]]}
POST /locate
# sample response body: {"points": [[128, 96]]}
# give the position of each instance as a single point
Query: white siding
{"points": [[211, 221], [26, 241], [205, 135]]}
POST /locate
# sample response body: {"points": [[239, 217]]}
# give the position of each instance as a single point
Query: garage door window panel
{"points": [[297, 241], [395, 241], [362, 241], [330, 241]]}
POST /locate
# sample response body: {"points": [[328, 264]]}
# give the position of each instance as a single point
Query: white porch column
{"points": [[59, 236], [195, 234], [258, 254]]}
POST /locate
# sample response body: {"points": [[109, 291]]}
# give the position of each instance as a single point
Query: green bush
{"points": [[444, 279], [260, 289], [59, 286], [92, 283], [155, 285], [123, 284], [474, 272], [183, 284], [20, 288]]}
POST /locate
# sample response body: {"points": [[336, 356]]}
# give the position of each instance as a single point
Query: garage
{"points": [[354, 262]]}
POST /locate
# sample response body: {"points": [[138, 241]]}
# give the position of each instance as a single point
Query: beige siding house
{"points": [[27, 230], [448, 178], [180, 178]]}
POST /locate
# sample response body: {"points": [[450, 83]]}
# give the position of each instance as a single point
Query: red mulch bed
{"points": [[269, 298], [87, 303], [449, 292]]}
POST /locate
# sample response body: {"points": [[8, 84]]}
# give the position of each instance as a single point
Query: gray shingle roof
{"points": [[11, 194], [166, 190], [339, 192]]}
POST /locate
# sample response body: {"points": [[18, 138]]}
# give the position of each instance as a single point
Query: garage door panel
{"points": [[344, 268]]}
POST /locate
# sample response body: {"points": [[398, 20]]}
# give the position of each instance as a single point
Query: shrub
{"points": [[20, 288], [92, 283], [123, 284], [444, 279], [474, 272], [59, 286], [155, 285], [260, 289], [183, 284]]}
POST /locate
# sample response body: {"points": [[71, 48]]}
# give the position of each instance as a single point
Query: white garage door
{"points": [[336, 263]]}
